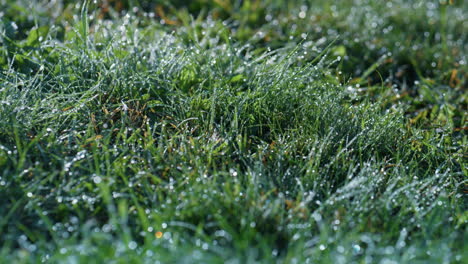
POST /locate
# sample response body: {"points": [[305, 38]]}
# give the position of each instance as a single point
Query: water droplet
{"points": [[97, 179], [356, 248], [302, 14], [340, 249], [205, 246], [132, 245], [233, 172]]}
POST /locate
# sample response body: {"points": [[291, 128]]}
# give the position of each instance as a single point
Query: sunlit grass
{"points": [[255, 132]]}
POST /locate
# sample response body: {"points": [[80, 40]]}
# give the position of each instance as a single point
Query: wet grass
{"points": [[233, 131]]}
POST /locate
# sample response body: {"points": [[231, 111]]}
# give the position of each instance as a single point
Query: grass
{"points": [[233, 131]]}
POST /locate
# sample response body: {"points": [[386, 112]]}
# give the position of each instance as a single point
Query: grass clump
{"points": [[196, 140]]}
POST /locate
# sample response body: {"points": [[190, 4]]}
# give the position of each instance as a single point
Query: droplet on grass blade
{"points": [[132, 245]]}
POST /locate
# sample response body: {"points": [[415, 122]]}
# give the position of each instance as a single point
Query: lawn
{"points": [[229, 131]]}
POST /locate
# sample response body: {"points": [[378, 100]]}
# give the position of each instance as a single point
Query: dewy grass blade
{"points": [[84, 28]]}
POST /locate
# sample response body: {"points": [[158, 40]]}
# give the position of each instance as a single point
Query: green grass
{"points": [[233, 132]]}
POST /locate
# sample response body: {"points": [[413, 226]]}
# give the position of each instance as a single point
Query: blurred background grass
{"points": [[417, 47]]}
